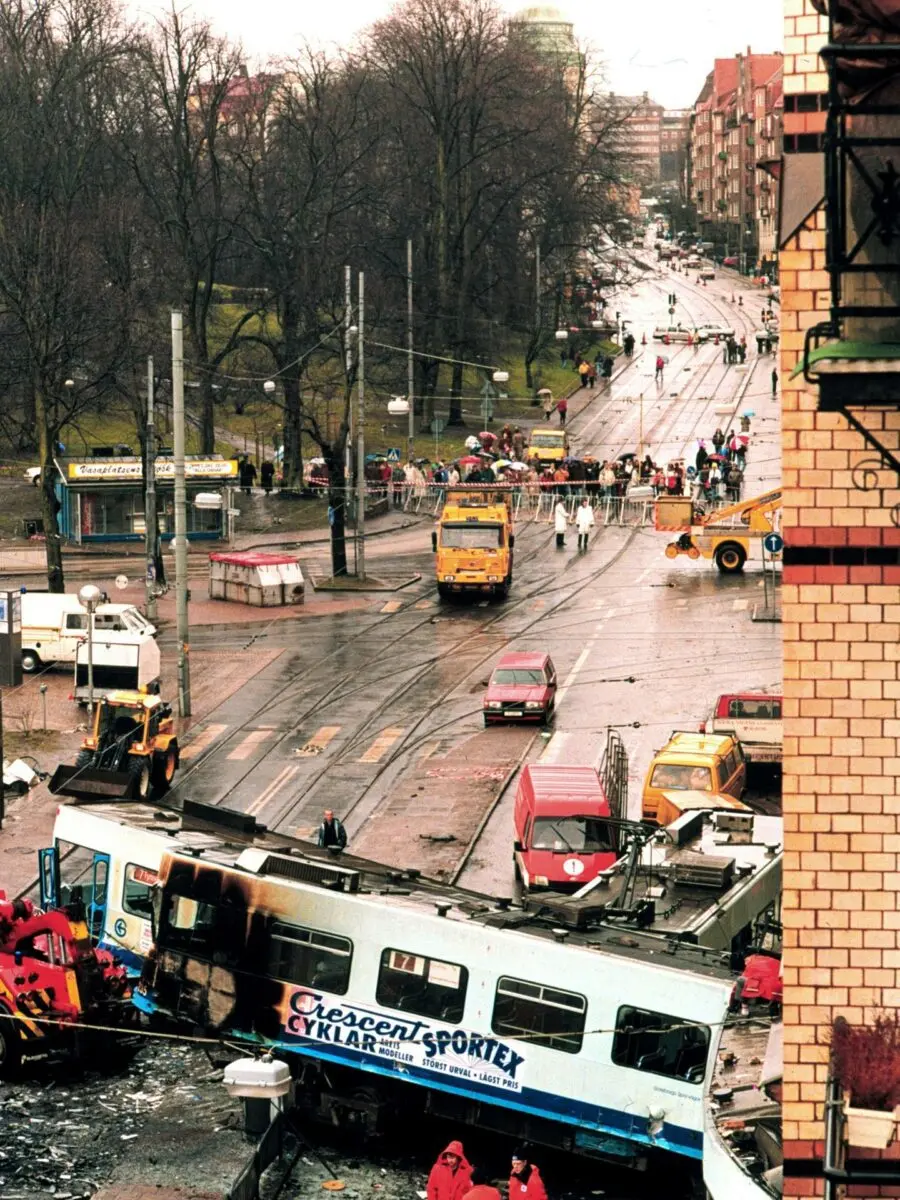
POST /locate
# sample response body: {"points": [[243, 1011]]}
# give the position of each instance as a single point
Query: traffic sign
{"points": [[393, 455], [774, 543]]}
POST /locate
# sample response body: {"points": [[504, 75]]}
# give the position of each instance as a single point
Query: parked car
{"points": [[714, 329], [521, 688], [33, 475], [707, 273], [730, 261], [675, 333]]}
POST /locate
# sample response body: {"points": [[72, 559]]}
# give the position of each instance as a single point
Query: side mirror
{"points": [[434, 540], [518, 847], [512, 540]]}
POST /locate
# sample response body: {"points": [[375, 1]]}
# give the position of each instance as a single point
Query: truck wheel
{"points": [[139, 770], [165, 764], [30, 662], [10, 1045], [730, 558], [443, 591], [84, 758]]}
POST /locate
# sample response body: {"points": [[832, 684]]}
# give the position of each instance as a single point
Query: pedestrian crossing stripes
{"points": [[248, 744], [201, 742], [318, 742], [381, 745], [392, 606]]}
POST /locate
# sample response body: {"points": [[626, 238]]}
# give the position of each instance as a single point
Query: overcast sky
{"points": [[656, 46]]}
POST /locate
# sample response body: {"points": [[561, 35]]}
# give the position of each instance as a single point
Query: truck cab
{"points": [[473, 543], [548, 445], [754, 718], [561, 838]]}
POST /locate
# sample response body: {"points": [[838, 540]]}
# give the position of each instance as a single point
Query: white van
{"points": [[54, 623], [119, 661]]}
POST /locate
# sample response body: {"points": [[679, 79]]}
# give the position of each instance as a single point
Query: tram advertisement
{"points": [[409, 1041]]}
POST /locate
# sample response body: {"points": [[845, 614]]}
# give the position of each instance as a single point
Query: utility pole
{"points": [[361, 441], [348, 367], [410, 375], [181, 574], [150, 530]]}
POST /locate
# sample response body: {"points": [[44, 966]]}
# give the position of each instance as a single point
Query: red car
{"points": [[522, 688], [730, 261]]}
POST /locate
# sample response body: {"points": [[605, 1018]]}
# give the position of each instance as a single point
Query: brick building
{"points": [[641, 136], [674, 132], [737, 107], [841, 604]]}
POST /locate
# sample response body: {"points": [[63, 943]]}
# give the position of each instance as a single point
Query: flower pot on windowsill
{"points": [[868, 1129]]}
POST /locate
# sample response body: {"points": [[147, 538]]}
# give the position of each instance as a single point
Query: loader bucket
{"points": [[88, 783]]}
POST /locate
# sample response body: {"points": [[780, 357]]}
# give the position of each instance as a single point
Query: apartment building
{"points": [[734, 130]]}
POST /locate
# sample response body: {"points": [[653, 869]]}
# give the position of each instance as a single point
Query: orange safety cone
{"points": [[643, 339]]}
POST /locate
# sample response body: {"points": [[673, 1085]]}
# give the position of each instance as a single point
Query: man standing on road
{"points": [[774, 381], [584, 523], [332, 834], [562, 408], [560, 521], [660, 365]]}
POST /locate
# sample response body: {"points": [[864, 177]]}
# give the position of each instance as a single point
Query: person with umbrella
{"points": [[546, 398]]}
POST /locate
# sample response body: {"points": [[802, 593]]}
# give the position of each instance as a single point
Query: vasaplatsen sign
{"points": [[196, 468]]}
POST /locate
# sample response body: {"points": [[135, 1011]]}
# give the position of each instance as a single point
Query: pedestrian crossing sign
{"points": [[393, 455]]}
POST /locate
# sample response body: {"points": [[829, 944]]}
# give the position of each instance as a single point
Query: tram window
{"points": [[541, 1015], [660, 1044], [425, 986], [189, 924], [137, 891], [305, 956]]}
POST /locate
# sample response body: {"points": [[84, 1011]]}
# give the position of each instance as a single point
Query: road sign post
{"points": [[437, 428]]}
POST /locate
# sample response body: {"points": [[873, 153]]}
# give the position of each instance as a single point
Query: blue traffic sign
{"points": [[393, 455], [774, 543]]}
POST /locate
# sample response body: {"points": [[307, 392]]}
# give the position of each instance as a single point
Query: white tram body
{"points": [[607, 1033], [112, 851]]}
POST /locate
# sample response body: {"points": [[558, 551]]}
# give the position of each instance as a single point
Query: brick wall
{"points": [[841, 651]]}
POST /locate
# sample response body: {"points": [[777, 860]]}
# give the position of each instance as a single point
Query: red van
{"points": [[562, 841]]}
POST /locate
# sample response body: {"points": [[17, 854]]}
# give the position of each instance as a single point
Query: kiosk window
{"points": [[541, 1015], [425, 986], [660, 1044]]}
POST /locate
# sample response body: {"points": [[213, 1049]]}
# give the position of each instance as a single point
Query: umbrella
{"points": [[545, 392], [517, 466], [469, 460], [625, 457], [374, 458], [317, 462], [500, 463], [718, 457], [486, 433], [748, 413]]}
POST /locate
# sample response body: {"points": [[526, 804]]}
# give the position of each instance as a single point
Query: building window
{"points": [[425, 986], [310, 958], [541, 1015], [660, 1044]]}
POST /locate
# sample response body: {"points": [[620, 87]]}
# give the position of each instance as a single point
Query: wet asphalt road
{"points": [[355, 701]]}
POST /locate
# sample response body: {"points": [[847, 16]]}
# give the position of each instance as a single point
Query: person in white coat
{"points": [[560, 521], [584, 522]]}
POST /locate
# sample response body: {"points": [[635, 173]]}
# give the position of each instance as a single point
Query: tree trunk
{"points": [[455, 416], [207, 417], [337, 507], [49, 504], [292, 463]]}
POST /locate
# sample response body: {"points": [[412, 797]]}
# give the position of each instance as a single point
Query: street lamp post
{"points": [[90, 596]]}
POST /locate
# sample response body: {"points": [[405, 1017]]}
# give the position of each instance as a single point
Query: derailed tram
{"points": [[599, 1041]]}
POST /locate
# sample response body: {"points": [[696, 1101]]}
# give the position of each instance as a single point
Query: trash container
{"points": [[262, 580]]}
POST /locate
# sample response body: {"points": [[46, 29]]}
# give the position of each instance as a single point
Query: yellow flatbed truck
{"points": [[473, 542]]}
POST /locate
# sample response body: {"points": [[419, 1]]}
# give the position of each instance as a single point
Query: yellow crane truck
{"points": [[473, 542], [725, 534]]}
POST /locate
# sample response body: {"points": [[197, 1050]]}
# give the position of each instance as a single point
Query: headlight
{"points": [[449, 578], [540, 881], [493, 578], [493, 704], [533, 704]]}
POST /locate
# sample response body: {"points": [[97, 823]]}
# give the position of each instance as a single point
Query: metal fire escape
{"points": [[862, 157]]}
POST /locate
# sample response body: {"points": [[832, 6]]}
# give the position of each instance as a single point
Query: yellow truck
{"points": [[548, 446], [473, 542], [724, 535]]}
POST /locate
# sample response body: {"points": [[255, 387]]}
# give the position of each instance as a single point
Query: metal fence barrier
{"points": [[266, 1151]]}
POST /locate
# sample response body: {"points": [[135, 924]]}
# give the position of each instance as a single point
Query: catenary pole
{"points": [[181, 574], [410, 374], [361, 440], [150, 530]]}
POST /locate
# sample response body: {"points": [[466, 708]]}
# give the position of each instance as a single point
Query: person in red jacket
{"points": [[451, 1175], [482, 1188], [525, 1181]]}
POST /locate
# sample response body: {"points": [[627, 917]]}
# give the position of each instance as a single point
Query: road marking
{"points": [[740, 604], [579, 663], [643, 575], [248, 744], [425, 604], [281, 779], [682, 603], [427, 750], [392, 606], [381, 745], [318, 742], [201, 741], [554, 747]]}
